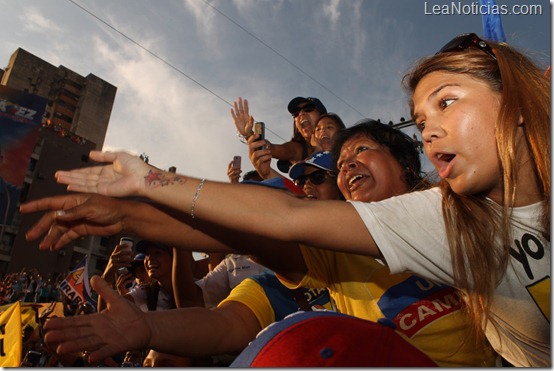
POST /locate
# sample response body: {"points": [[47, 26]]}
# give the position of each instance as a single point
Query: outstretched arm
{"points": [[77, 215], [242, 207], [123, 326]]}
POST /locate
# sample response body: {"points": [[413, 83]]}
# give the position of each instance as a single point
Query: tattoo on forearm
{"points": [[155, 179]]}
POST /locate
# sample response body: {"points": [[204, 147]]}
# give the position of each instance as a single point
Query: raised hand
{"points": [[233, 173], [74, 216], [124, 176], [122, 326], [242, 118]]}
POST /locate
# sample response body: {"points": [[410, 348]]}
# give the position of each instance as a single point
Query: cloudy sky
{"points": [[179, 64]]}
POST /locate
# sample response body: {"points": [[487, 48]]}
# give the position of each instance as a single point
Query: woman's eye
{"points": [[420, 125], [446, 102], [361, 149]]}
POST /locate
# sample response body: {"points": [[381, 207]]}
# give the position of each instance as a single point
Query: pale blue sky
{"points": [[351, 54]]}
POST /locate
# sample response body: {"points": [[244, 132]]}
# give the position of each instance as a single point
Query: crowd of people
{"points": [[30, 286], [455, 271]]}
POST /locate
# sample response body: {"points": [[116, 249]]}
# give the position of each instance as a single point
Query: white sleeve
{"points": [[409, 231], [215, 285]]}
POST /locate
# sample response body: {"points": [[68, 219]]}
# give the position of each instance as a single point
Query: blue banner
{"points": [[20, 119], [492, 23]]}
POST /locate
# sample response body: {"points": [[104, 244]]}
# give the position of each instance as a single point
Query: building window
{"points": [[6, 244]]}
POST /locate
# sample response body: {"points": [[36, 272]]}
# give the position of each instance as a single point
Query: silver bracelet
{"points": [[196, 197]]}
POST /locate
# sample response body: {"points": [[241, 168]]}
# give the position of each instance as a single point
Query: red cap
{"points": [[330, 339]]}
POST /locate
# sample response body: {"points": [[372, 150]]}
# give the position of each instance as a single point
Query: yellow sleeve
{"points": [[251, 294]]}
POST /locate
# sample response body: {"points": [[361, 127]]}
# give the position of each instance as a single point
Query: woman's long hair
{"points": [[473, 223]]}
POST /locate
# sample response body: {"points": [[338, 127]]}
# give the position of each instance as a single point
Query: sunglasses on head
{"points": [[316, 178], [307, 108], [464, 41]]}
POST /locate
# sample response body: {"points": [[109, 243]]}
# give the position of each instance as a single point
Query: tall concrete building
{"points": [[75, 122], [81, 105]]}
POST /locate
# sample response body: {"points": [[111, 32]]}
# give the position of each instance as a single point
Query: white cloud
{"points": [[33, 20], [160, 114], [205, 17], [332, 11]]}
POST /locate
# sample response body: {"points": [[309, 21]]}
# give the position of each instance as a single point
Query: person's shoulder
{"points": [[433, 193]]}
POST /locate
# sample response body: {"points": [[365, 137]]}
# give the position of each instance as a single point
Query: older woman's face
{"points": [[368, 171]]}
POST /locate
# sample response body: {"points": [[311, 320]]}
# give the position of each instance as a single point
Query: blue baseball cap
{"points": [[279, 183], [322, 160]]}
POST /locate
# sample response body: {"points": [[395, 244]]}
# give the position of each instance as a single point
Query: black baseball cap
{"points": [[293, 104]]}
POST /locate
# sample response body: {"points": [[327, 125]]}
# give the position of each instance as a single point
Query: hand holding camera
{"points": [[124, 280], [234, 170], [120, 260]]}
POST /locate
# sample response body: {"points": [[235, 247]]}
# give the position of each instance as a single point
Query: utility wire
{"points": [[150, 52], [283, 57], [163, 60]]}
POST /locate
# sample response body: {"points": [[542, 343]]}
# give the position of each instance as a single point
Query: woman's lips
{"points": [[444, 163]]}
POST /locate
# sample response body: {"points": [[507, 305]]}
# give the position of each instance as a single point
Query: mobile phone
{"points": [[259, 128], [128, 242], [236, 162]]}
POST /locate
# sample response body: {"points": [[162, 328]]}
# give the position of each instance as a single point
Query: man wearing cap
{"points": [[158, 262]]}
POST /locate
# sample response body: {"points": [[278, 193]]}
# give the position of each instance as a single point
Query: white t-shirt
{"points": [[410, 233], [218, 283]]}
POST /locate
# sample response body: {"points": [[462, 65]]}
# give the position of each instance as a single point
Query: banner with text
{"points": [[20, 119]]}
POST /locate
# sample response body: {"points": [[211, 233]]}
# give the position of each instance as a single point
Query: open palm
{"points": [[122, 177]]}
